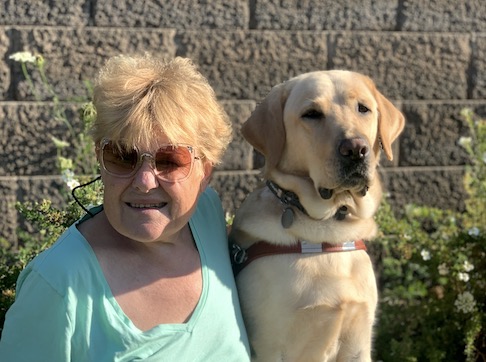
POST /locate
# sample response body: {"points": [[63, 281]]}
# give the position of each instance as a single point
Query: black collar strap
{"points": [[286, 197], [290, 198]]}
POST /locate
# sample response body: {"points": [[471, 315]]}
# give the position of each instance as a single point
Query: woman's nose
{"points": [[145, 179]]}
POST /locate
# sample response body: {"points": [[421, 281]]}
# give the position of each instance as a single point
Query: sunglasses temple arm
{"points": [[73, 193]]}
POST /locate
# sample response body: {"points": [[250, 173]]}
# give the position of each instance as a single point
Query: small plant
{"points": [[475, 179], [83, 161], [50, 221], [433, 273]]}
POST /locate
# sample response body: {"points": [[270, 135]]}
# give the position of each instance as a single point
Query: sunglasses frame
{"points": [[140, 158]]}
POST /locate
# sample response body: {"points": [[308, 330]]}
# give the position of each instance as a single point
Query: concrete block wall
{"points": [[428, 57]]}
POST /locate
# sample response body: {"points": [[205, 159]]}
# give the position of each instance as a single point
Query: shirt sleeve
{"points": [[37, 325]]}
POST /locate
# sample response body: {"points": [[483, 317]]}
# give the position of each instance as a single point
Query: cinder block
{"points": [[440, 188], [4, 68], [432, 132], [234, 186], [325, 15], [181, 14], [443, 16], [8, 213], [37, 188], [239, 155], [407, 66], [245, 65], [74, 55], [478, 69], [54, 13], [26, 147]]}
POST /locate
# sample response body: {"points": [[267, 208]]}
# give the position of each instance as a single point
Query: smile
{"points": [[147, 206]]}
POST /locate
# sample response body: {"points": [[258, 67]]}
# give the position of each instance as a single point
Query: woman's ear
{"points": [[207, 173]]}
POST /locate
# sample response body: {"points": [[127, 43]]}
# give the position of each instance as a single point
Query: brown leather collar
{"points": [[242, 257]]}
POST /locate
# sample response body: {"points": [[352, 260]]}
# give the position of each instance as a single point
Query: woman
{"points": [[145, 276]]}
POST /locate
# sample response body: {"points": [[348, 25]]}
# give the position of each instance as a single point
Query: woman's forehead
{"points": [[148, 142]]}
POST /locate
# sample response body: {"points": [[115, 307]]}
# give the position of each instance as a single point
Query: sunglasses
{"points": [[170, 163]]}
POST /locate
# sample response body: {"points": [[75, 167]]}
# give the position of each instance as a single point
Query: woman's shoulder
{"points": [[68, 258], [67, 247]]}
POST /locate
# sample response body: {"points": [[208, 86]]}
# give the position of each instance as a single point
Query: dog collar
{"points": [[242, 257], [290, 199], [286, 197]]}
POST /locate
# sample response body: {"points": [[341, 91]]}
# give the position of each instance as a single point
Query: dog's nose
{"points": [[354, 148]]}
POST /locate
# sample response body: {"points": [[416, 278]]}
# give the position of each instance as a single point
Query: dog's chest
{"points": [[311, 280]]}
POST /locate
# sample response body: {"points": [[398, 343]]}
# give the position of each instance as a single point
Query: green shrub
{"points": [[433, 273]]}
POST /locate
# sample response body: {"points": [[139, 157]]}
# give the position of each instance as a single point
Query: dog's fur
{"points": [[321, 134]]}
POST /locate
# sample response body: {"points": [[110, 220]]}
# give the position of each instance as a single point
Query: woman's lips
{"points": [[147, 205]]}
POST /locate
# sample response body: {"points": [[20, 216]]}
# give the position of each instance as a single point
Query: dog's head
{"points": [[326, 126]]}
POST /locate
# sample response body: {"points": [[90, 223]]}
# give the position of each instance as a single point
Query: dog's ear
{"points": [[390, 123], [264, 130]]}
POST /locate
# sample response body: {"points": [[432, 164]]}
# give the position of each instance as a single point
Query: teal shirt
{"points": [[65, 311]]}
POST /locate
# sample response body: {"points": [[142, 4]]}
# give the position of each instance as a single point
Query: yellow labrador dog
{"points": [[306, 283]]}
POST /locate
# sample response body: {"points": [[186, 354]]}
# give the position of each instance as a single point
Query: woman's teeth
{"points": [[148, 206]]}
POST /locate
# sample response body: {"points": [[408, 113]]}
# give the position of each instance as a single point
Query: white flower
{"points": [[229, 218], [425, 254], [67, 175], [463, 276], [23, 57], [468, 266], [473, 231], [465, 141], [443, 269], [72, 184], [465, 302]]}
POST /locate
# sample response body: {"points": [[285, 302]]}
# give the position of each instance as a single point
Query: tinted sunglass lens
{"points": [[173, 163], [118, 161]]}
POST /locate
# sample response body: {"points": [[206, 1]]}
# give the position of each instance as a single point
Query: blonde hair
{"points": [[139, 98]]}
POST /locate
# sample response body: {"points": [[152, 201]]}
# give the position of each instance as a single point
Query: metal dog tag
{"points": [[287, 218]]}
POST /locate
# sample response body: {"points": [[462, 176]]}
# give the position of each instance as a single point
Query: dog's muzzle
{"points": [[354, 159], [354, 150]]}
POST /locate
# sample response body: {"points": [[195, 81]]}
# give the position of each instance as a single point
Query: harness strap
{"points": [[242, 257]]}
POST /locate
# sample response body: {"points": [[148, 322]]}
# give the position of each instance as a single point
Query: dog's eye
{"points": [[362, 108], [313, 114]]}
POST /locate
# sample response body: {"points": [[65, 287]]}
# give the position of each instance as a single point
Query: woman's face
{"points": [[145, 208]]}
